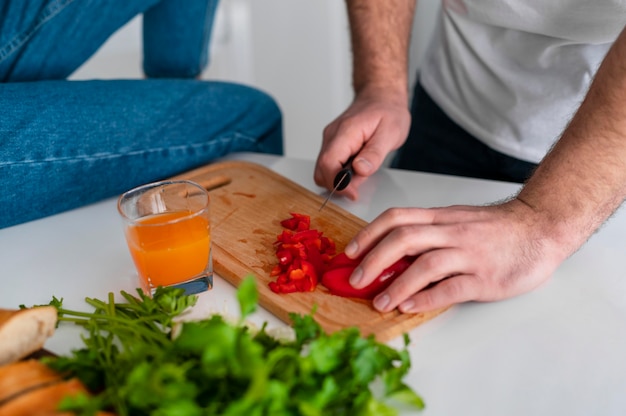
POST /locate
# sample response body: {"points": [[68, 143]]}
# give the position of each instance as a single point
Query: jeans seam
{"points": [[101, 156], [49, 12]]}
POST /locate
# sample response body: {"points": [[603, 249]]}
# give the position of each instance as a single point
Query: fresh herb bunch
{"points": [[139, 360]]}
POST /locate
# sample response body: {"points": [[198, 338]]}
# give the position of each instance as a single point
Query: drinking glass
{"points": [[168, 231]]}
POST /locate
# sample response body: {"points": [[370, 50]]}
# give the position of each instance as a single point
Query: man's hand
{"points": [[371, 128], [489, 253], [377, 122], [465, 253]]}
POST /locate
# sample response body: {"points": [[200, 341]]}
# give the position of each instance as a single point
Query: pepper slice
{"points": [[336, 277]]}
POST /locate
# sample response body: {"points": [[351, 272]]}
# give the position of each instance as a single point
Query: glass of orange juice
{"points": [[168, 232]]}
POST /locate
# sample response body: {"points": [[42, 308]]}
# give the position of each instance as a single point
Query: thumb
{"points": [[368, 160]]}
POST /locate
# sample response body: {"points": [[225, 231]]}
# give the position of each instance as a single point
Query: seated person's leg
{"points": [[176, 39], [50, 39], [64, 144]]}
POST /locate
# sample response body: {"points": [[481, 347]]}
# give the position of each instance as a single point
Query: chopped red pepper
{"points": [[297, 222], [302, 254], [284, 257], [307, 235]]}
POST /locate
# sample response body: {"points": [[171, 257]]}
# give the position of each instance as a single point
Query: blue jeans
{"points": [[64, 144], [439, 145]]}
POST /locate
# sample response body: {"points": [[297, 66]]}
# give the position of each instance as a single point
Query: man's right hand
{"points": [[374, 125]]}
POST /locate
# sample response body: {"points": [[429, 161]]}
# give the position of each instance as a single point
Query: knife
{"points": [[342, 179]]}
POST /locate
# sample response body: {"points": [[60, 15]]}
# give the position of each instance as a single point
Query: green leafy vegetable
{"points": [[139, 358], [247, 296]]}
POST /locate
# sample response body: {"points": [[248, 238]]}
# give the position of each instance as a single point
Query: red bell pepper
{"points": [[341, 260], [336, 277]]}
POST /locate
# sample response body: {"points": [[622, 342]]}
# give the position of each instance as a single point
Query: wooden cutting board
{"points": [[248, 201]]}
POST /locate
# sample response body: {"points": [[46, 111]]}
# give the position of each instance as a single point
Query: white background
{"points": [[296, 50]]}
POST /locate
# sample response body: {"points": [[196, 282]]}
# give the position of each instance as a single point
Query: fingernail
{"points": [[364, 165], [381, 302], [351, 248], [357, 276], [407, 306]]}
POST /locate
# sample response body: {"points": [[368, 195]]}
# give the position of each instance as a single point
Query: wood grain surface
{"points": [[248, 201]]}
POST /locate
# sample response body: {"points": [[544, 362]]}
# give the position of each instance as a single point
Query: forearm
{"points": [[582, 181], [380, 33]]}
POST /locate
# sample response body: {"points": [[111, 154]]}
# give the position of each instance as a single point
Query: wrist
{"points": [[395, 93], [552, 231]]}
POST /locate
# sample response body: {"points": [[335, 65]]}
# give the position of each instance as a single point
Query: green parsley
{"points": [[139, 359]]}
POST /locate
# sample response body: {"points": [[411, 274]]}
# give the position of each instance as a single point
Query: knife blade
{"points": [[342, 179]]}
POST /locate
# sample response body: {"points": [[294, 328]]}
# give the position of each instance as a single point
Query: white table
{"points": [[560, 350]]}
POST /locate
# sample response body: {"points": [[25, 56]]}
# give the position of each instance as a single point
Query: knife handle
{"points": [[344, 176]]}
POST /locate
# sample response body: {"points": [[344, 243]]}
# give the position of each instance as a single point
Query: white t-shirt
{"points": [[512, 73]]}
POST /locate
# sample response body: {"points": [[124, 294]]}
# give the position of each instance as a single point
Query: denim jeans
{"points": [[64, 144], [439, 145]]}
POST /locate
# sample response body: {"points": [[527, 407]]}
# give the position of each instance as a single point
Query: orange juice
{"points": [[171, 247]]}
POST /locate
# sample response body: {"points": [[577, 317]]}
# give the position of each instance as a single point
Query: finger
{"points": [[326, 158], [410, 240], [390, 220], [384, 139], [326, 167], [334, 155], [352, 191], [428, 268], [451, 291], [371, 156]]}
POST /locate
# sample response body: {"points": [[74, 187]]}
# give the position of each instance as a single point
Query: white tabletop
{"points": [[560, 350]]}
